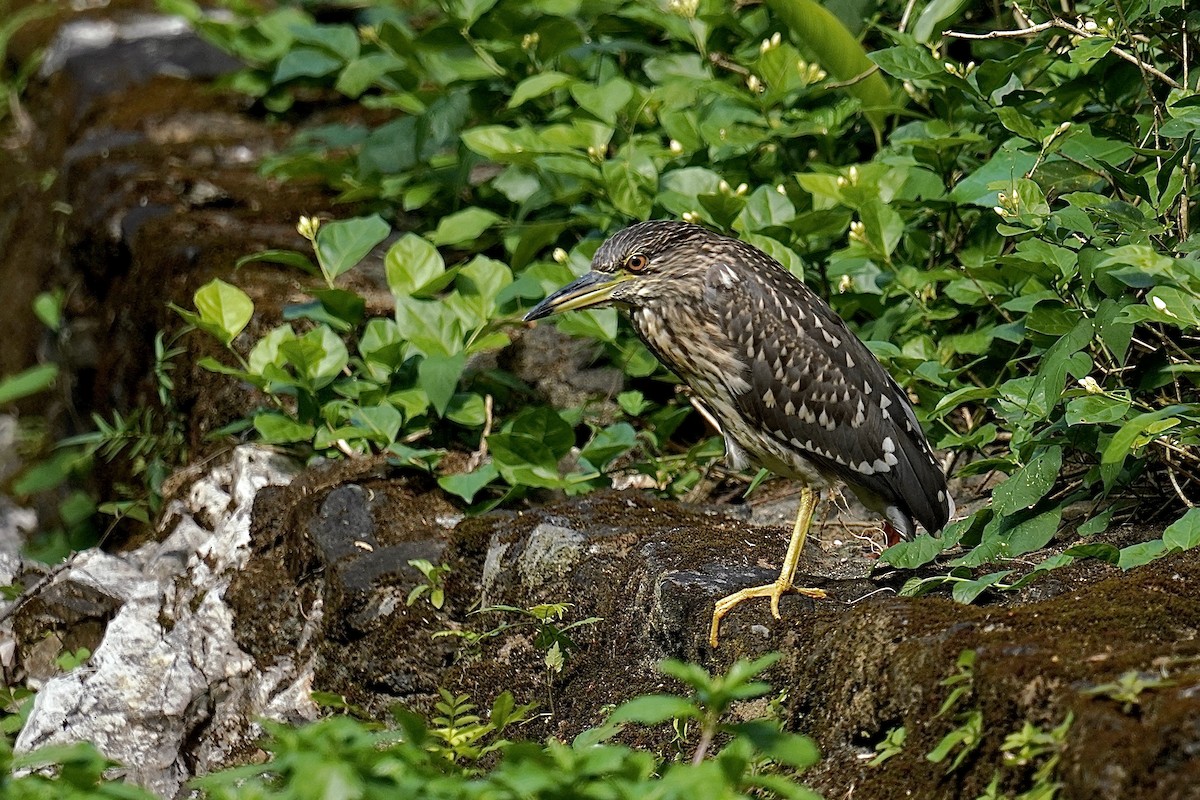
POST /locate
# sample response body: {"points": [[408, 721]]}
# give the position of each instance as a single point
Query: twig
{"points": [[1080, 32], [862, 76], [1178, 488], [1010, 34]]}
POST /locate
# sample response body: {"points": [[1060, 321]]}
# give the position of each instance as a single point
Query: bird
{"points": [[786, 382]]}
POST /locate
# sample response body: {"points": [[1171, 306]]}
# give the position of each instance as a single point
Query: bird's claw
{"points": [[774, 591]]}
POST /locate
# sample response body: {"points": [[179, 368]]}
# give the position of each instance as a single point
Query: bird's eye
{"points": [[636, 262]]}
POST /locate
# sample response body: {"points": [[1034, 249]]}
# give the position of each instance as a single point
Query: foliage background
{"points": [[1004, 215]]}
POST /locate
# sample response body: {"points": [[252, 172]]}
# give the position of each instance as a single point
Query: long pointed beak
{"points": [[588, 290]]}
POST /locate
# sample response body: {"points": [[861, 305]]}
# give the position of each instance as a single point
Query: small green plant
{"points": [[433, 587], [710, 700], [892, 745], [545, 622], [68, 660], [459, 754], [1128, 688], [968, 731], [1025, 748], [151, 441], [462, 736]]}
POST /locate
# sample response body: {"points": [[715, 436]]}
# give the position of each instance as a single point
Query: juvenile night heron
{"points": [[787, 383]]}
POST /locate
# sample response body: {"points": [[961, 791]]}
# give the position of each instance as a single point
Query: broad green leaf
{"points": [[438, 377], [1183, 533], [278, 429], [411, 263], [1123, 440], [290, 258], [463, 226], [363, 73], [480, 282], [266, 349], [538, 85], [1136, 555], [606, 100], [546, 426], [631, 179], [341, 245], [651, 709], [305, 62], [789, 749], [224, 310], [468, 484], [607, 444], [1096, 409], [524, 460], [1029, 484], [965, 592], [319, 356], [383, 420]]}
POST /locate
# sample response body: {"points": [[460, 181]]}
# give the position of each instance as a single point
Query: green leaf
{"points": [[912, 554], [1032, 534], [613, 441], [547, 426], [538, 85], [266, 350], [468, 484], [1136, 555], [1183, 533], [27, 382], [464, 226], [524, 461], [965, 592], [652, 709], [319, 356], [278, 429], [789, 749], [341, 245], [1096, 410], [1123, 440], [290, 258], [438, 377], [604, 101], [383, 421], [305, 62], [411, 263], [1028, 484], [224, 310], [631, 179]]}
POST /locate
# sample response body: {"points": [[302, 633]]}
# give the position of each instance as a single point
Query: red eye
{"points": [[636, 262]]}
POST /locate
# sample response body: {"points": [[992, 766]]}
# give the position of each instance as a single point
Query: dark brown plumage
{"points": [[789, 385]]}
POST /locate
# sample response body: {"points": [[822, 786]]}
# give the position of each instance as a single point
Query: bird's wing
{"points": [[814, 387]]}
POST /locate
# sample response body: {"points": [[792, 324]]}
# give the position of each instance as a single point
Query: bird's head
{"points": [[636, 265]]}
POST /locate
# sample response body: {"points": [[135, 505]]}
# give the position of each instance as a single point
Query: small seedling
{"points": [[68, 660], [1128, 688], [968, 732], [892, 745], [433, 587]]}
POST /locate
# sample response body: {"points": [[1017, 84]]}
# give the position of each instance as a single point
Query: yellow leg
{"points": [[782, 584]]}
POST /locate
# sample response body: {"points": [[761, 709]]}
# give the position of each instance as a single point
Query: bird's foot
{"points": [[774, 591]]}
